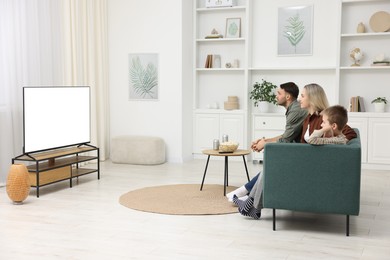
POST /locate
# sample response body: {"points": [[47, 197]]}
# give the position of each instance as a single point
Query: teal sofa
{"points": [[308, 178]]}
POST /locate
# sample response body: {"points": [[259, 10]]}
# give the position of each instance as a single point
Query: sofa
{"points": [[308, 178]]}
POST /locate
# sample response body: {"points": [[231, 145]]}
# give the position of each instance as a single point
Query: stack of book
{"points": [[381, 63], [213, 61], [356, 104], [209, 61]]}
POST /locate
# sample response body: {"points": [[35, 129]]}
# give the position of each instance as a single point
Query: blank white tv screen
{"points": [[55, 117]]}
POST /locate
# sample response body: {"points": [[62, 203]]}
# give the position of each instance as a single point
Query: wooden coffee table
{"points": [[239, 152]]}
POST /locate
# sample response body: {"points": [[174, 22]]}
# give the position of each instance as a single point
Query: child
{"points": [[334, 118]]}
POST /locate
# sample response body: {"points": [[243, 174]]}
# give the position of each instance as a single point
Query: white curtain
{"points": [[55, 43]]}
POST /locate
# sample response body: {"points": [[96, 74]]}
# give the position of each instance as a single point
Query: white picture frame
{"points": [[143, 76], [233, 28], [220, 3], [295, 30]]}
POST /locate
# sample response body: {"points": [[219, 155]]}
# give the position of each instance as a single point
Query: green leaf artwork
{"points": [[144, 80], [294, 31], [233, 28]]}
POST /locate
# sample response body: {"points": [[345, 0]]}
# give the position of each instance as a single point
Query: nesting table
{"points": [[239, 152]]}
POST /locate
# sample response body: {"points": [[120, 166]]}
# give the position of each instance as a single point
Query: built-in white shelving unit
{"points": [[329, 65], [366, 80], [212, 86]]}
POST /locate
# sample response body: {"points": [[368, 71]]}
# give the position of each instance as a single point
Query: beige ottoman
{"points": [[145, 150]]}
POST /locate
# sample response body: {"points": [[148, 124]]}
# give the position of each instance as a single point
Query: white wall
{"points": [[187, 80], [150, 26], [165, 27], [325, 45], [324, 34]]}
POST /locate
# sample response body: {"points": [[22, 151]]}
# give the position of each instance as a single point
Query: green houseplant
{"points": [[263, 91], [379, 100], [380, 104]]}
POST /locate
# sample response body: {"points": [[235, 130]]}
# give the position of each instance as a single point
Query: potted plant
{"points": [[380, 104], [263, 94]]}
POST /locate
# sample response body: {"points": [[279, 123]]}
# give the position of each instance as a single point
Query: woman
{"points": [[314, 100]]}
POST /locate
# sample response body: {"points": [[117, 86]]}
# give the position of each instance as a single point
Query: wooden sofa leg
{"points": [[347, 226], [274, 219]]}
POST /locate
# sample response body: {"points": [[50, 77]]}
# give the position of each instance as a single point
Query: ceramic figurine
{"points": [[356, 55]]}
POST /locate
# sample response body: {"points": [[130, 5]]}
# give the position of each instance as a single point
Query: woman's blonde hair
{"points": [[317, 97]]}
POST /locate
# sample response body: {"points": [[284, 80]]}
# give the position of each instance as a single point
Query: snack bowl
{"points": [[228, 147]]}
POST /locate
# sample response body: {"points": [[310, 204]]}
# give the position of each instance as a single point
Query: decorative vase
{"points": [[18, 183], [361, 28], [264, 106], [379, 107]]}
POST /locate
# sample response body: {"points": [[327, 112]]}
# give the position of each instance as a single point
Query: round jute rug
{"points": [[180, 199]]}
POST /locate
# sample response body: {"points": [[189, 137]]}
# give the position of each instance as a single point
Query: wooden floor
{"points": [[87, 222]]}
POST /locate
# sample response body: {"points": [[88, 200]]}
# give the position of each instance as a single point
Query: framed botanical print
{"points": [[143, 76], [233, 28], [295, 27]]}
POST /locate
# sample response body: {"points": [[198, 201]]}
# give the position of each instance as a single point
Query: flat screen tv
{"points": [[55, 117]]}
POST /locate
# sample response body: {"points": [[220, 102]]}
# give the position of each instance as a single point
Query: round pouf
{"points": [[18, 183], [146, 150]]}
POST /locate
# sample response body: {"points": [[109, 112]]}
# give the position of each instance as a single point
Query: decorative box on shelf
{"points": [[220, 3]]}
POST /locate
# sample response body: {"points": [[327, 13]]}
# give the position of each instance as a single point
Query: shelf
{"points": [[55, 153], [362, 35], [291, 68], [45, 166], [220, 69], [219, 111], [362, 1], [366, 68], [369, 114], [268, 114], [221, 9], [221, 40], [81, 171]]}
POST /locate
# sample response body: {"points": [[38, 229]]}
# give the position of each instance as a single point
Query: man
{"points": [[286, 96]]}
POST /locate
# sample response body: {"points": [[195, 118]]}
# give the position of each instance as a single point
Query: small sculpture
{"points": [[214, 34], [356, 55]]}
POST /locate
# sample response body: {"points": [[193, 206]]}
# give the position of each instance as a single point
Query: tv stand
{"points": [[59, 165]]}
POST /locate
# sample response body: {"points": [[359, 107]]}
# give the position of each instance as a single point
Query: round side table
{"points": [[238, 152]]}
